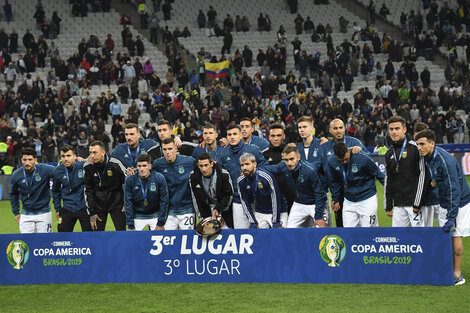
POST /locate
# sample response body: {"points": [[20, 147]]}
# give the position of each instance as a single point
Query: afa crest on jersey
{"points": [[354, 168]]}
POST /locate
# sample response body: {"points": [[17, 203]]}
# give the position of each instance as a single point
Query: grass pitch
{"points": [[233, 297]]}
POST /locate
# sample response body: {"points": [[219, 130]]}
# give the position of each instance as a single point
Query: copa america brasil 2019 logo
{"points": [[332, 250], [17, 254]]}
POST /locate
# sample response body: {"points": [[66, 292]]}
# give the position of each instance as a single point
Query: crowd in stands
{"points": [[273, 94]]}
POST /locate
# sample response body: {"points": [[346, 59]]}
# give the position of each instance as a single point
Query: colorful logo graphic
{"points": [[17, 254], [332, 250]]}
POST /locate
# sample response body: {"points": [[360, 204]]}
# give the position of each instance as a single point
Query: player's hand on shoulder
{"points": [[223, 142], [356, 149], [130, 171], [323, 140]]}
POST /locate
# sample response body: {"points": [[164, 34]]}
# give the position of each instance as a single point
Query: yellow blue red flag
{"points": [[216, 70]]}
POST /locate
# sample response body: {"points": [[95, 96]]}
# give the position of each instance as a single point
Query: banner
{"points": [[346, 255], [217, 70]]}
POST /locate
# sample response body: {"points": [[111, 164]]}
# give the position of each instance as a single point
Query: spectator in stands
{"points": [[201, 19], [299, 21], [384, 11], [8, 11], [125, 19], [343, 24], [10, 75], [166, 9], [308, 26], [245, 24], [13, 38]]}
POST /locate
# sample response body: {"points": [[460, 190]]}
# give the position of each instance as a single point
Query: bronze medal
{"points": [[433, 183], [146, 203], [99, 184]]}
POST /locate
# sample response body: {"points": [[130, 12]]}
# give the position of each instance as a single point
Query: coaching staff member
{"points": [[211, 190], [405, 180], [104, 178], [68, 192]]}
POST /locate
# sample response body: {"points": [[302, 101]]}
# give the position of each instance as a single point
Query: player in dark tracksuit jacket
{"points": [[68, 194], [326, 150], [352, 181], [146, 198], [104, 180], [32, 183], [128, 156], [307, 185], [259, 193], [454, 194]]}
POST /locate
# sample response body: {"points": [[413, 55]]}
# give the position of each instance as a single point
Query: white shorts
{"points": [[184, 221], [327, 211], [301, 215], [403, 216], [239, 217], [360, 214], [264, 220], [42, 223], [462, 222], [434, 212], [140, 224], [283, 219]]}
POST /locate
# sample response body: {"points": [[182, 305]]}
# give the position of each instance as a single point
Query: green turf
{"points": [[232, 297]]}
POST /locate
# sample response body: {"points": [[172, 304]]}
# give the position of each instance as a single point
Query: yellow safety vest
{"points": [[7, 169]]}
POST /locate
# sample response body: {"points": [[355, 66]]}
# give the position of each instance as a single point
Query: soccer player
{"points": [[309, 204], [310, 150], [431, 205], [68, 192], [145, 197], [128, 152], [209, 133], [259, 194], [273, 155], [337, 130], [164, 130], [454, 194], [247, 127], [352, 177], [405, 178], [104, 177], [176, 169], [229, 158], [211, 190], [32, 183]]}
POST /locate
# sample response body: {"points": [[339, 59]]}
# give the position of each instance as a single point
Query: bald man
{"points": [[337, 130]]}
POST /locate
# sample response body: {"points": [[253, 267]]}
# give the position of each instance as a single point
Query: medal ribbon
{"points": [[29, 182], [67, 174], [144, 190], [134, 156], [345, 175], [104, 169], [401, 152]]}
